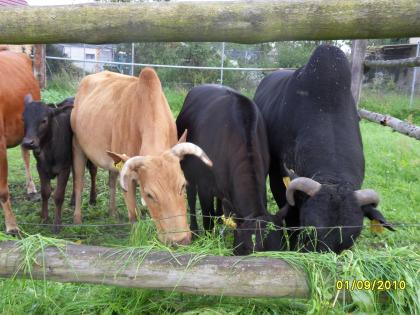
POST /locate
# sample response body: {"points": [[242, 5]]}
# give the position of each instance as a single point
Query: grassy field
{"points": [[392, 168]]}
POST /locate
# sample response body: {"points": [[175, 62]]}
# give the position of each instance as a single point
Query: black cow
{"points": [[313, 129], [49, 135], [230, 129]]}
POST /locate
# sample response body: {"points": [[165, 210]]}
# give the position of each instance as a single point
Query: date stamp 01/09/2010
{"points": [[372, 285]]}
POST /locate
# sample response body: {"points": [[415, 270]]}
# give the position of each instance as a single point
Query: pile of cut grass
{"points": [[392, 168]]}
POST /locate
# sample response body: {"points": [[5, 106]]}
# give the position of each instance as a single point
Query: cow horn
{"points": [[185, 148], [305, 184], [366, 197], [291, 173], [131, 165]]}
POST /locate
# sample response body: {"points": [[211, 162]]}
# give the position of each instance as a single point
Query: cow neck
{"points": [[248, 197]]}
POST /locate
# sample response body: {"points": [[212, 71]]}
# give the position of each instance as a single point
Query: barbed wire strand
{"points": [[273, 226]]}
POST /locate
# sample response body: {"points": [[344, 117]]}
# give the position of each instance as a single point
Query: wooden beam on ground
{"points": [[250, 21], [396, 124], [358, 51], [197, 274], [407, 62]]}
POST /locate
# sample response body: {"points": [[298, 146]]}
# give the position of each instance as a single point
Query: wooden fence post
{"points": [[40, 64], [358, 51]]}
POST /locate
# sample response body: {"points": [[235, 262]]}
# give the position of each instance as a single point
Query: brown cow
{"points": [[130, 115], [16, 80]]}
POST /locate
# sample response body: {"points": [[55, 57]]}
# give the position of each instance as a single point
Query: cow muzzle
{"points": [[29, 143], [174, 239]]}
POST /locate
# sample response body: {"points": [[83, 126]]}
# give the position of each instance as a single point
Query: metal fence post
{"points": [[413, 82], [84, 60], [132, 58], [223, 61]]}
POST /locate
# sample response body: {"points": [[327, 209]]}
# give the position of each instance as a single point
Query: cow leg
{"points": [[191, 196], [279, 192], [112, 183], [93, 171], [219, 209], [45, 194], [59, 193], [207, 208], [30, 186], [9, 218], [130, 201], [79, 164], [277, 186]]}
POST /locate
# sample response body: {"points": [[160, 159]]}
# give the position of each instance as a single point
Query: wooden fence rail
{"points": [[211, 275], [234, 21], [396, 124], [407, 62]]}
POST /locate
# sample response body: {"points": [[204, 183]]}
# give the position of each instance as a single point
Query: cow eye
{"points": [[44, 121], [183, 188], [149, 196]]}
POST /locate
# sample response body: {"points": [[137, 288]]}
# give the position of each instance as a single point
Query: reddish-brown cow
{"points": [[16, 80]]}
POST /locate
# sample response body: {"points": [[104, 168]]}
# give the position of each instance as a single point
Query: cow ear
{"points": [[375, 215], [59, 110], [28, 98], [117, 157], [183, 137]]}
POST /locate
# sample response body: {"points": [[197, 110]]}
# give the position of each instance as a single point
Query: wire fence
{"points": [[184, 65], [256, 220]]}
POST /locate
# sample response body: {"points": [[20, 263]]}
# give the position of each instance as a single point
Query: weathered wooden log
{"points": [[407, 62], [211, 275], [395, 123], [232, 21]]}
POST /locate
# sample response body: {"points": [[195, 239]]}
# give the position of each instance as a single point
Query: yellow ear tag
{"points": [[119, 165], [376, 227], [229, 222], [286, 181]]}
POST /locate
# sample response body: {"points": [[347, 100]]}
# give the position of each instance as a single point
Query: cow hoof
{"points": [[33, 197], [56, 228], [92, 202], [77, 220], [13, 231], [45, 220], [133, 220]]}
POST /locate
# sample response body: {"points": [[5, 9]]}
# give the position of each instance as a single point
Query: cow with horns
{"points": [[230, 128], [313, 131], [124, 122]]}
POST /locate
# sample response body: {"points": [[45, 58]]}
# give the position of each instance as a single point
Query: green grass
{"points": [[392, 168], [391, 103]]}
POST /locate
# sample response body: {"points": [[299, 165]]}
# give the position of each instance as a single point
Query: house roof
{"points": [[13, 3]]}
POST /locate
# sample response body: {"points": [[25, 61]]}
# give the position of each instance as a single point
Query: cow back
{"points": [[230, 129], [313, 125], [122, 114]]}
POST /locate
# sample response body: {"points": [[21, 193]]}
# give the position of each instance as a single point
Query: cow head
{"points": [[258, 234], [162, 186], [330, 205], [37, 118]]}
